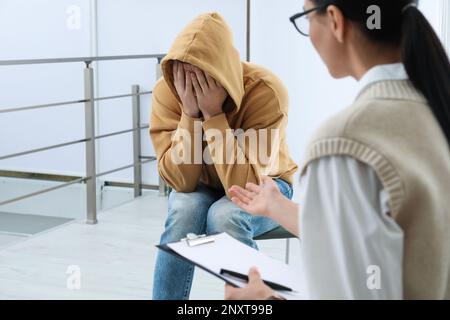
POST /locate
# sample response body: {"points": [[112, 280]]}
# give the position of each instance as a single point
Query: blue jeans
{"points": [[203, 211]]}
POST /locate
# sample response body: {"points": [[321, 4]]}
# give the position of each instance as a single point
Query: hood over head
{"points": [[207, 43]]}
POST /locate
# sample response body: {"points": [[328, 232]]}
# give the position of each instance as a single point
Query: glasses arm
{"points": [[304, 13]]}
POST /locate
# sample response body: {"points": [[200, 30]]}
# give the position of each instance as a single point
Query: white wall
{"points": [[39, 29], [314, 95]]}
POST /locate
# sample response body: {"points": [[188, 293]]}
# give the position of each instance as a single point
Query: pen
{"points": [[272, 285]]}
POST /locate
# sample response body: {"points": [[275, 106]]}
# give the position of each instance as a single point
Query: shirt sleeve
{"points": [[350, 247], [177, 139]]}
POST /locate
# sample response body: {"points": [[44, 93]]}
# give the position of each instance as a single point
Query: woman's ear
{"points": [[337, 22]]}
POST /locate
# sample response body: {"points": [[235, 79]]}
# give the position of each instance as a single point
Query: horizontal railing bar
{"points": [[79, 59], [114, 170], [123, 95], [70, 183], [120, 132], [148, 158], [130, 185], [64, 103], [43, 149], [113, 134], [42, 191], [123, 168], [56, 104], [68, 143], [36, 176]]}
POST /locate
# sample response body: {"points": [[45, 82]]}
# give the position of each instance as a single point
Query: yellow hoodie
{"points": [[257, 100]]}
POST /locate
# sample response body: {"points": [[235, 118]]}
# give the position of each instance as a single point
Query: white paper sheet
{"points": [[230, 254]]}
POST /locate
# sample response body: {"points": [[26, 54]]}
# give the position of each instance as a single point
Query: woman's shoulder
{"points": [[386, 107]]}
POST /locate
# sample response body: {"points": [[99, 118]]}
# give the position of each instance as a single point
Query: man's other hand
{"points": [[210, 94], [185, 90]]}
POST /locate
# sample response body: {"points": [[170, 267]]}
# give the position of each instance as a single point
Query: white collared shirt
{"points": [[394, 71], [350, 246]]}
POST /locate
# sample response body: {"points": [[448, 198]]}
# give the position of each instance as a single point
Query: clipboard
{"points": [[198, 249], [166, 248]]}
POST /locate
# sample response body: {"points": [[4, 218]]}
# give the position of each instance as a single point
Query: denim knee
{"points": [[187, 214], [225, 216], [182, 208]]}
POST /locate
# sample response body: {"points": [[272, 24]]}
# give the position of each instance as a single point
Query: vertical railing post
{"points": [[136, 105], [288, 251], [445, 23], [163, 188], [89, 112], [248, 31]]}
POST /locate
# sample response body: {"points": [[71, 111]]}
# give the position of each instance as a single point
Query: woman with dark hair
{"points": [[374, 214]]}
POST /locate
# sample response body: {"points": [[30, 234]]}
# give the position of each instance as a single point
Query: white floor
{"points": [[115, 258]]}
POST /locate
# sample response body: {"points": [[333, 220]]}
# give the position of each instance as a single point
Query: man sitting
{"points": [[216, 122]]}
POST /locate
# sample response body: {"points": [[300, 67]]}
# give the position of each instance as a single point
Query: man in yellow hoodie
{"points": [[216, 122]]}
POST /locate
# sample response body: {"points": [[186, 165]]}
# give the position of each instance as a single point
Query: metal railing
{"points": [[90, 137]]}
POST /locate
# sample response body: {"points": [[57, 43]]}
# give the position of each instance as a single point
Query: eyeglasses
{"points": [[301, 20]]}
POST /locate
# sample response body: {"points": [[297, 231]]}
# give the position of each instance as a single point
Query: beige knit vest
{"points": [[391, 128]]}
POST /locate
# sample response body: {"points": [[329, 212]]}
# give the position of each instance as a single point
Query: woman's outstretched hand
{"points": [[268, 201], [257, 200]]}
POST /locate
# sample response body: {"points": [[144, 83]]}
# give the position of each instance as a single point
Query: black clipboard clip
{"points": [[194, 240]]}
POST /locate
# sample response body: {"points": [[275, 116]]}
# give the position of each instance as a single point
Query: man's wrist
{"points": [[208, 116], [192, 114]]}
